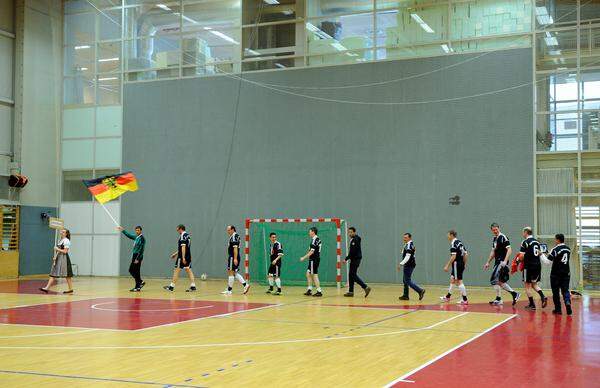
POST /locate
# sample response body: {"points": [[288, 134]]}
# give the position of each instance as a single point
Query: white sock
{"points": [[318, 289], [278, 282], [271, 282], [240, 278], [450, 288], [507, 287], [463, 290], [309, 288], [498, 290], [172, 284], [230, 280], [193, 284]]}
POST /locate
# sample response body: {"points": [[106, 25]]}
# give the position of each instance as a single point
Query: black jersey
{"points": [[315, 245], [234, 241], [530, 247], [184, 241], [457, 248], [500, 244], [276, 250], [355, 248], [409, 248], [560, 257]]}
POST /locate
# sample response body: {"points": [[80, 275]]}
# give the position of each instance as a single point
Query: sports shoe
{"points": [[530, 307], [308, 293], [278, 292], [367, 291], [318, 293], [569, 310], [349, 294], [403, 297], [516, 297], [269, 291], [463, 302], [142, 285], [557, 312], [226, 292], [421, 294], [496, 302], [246, 288], [169, 288], [44, 290], [544, 302], [444, 299], [191, 289], [135, 289]]}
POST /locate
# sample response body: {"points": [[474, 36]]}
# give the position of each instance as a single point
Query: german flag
{"points": [[112, 186]]}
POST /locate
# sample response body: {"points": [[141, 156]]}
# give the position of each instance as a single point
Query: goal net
{"points": [[292, 233]]}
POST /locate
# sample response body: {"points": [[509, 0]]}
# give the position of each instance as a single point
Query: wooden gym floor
{"points": [[105, 336]]}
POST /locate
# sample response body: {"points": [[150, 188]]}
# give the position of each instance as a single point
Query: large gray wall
{"points": [[386, 169]]}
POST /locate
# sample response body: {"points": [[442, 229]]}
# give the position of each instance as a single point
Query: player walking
{"points": [[233, 261], [409, 263], [314, 259], [274, 273], [500, 253], [530, 254], [458, 262], [560, 275], [183, 260], [355, 257]]}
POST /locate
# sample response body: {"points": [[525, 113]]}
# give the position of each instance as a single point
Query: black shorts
{"points": [[231, 266], [313, 266], [275, 269], [532, 274], [457, 270], [500, 274], [179, 263]]}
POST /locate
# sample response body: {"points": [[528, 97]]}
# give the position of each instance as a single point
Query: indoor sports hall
{"points": [[299, 193]]}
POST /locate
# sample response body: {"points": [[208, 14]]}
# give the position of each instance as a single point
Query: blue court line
{"points": [[16, 372]]}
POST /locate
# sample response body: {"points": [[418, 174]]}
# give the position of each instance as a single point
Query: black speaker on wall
{"points": [[17, 181]]}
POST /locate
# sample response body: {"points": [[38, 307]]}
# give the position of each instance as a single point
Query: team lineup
{"points": [[529, 260]]}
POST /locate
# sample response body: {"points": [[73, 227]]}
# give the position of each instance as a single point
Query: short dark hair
{"points": [[314, 229], [452, 232], [408, 234], [272, 234], [138, 227], [494, 225], [181, 227], [352, 228], [232, 227], [560, 237], [528, 230]]}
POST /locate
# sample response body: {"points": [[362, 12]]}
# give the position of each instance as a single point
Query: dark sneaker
{"points": [[367, 291], [169, 288], [403, 297], [43, 290], [135, 289], [516, 297], [308, 293], [318, 293], [569, 310], [349, 294], [191, 289], [544, 302], [68, 292], [421, 294], [557, 312], [142, 285], [530, 308]]}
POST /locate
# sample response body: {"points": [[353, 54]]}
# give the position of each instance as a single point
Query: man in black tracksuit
{"points": [[355, 256], [560, 275]]}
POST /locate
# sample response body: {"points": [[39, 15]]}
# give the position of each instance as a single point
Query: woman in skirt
{"points": [[61, 263]]}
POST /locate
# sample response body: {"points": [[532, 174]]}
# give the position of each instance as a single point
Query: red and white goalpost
{"points": [[338, 223]]}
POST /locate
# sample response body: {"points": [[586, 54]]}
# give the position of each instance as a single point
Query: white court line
{"points": [[95, 307], [55, 326], [412, 372], [190, 346], [47, 334]]}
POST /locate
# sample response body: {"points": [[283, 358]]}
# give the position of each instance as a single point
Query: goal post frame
{"points": [[338, 225]]}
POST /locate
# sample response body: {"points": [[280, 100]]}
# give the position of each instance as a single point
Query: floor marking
{"points": [[95, 307], [412, 372], [192, 346], [15, 372], [47, 334], [55, 326]]}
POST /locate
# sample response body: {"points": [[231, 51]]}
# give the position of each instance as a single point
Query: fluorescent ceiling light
{"points": [[279, 65], [542, 16], [287, 12], [83, 68], [338, 46], [318, 32], [422, 23], [189, 19], [223, 36], [82, 47], [352, 54], [253, 52], [107, 79], [272, 2], [446, 48], [108, 59], [163, 7]]}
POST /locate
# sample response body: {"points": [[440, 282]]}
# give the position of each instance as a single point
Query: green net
{"points": [[295, 242]]}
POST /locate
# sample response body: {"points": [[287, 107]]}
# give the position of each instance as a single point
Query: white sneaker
{"points": [[497, 302], [444, 299], [246, 288], [463, 302], [226, 292]]}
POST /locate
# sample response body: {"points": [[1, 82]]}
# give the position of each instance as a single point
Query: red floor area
{"points": [[532, 350], [23, 286], [120, 313]]}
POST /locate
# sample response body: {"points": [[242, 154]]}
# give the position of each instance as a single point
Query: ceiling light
{"points": [[223, 36], [108, 59], [446, 48], [542, 16], [82, 47], [279, 65], [422, 23], [163, 7], [272, 2], [107, 79], [338, 46]]}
